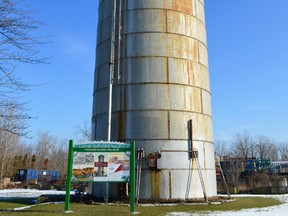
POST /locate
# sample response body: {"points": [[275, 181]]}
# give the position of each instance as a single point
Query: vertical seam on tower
{"points": [[167, 70], [195, 6], [125, 34], [125, 45], [169, 128], [201, 97], [170, 184], [168, 112], [167, 75], [126, 5], [166, 18], [168, 78], [204, 155], [98, 77]]}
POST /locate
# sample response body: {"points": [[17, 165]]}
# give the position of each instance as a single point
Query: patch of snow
{"points": [[179, 214], [26, 207], [28, 193]]}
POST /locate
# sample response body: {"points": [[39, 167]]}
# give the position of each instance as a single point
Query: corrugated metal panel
{"points": [[185, 6], [172, 46], [145, 21], [183, 24], [188, 73], [144, 70]]}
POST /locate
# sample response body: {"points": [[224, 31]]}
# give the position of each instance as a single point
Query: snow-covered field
{"points": [[280, 210]]}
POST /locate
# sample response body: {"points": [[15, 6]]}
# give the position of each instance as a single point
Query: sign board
{"points": [[101, 162]]}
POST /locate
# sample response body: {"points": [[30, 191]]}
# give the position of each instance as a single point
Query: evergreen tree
{"points": [[33, 161]]}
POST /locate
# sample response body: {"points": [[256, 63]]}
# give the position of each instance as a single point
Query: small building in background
{"points": [[37, 177], [252, 175]]}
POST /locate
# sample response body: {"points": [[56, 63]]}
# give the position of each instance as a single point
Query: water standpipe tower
{"points": [[161, 93]]}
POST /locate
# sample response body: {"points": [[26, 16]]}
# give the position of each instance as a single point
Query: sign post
{"points": [[101, 162], [132, 178], [69, 174]]}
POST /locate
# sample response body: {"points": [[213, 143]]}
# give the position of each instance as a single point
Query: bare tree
{"points": [[222, 149], [18, 45], [51, 153], [243, 146], [45, 146], [83, 131], [10, 128], [265, 148], [12, 118], [240, 169], [283, 151], [50, 148], [7, 143], [59, 158]]}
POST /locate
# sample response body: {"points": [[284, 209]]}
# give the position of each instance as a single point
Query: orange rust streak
{"points": [[183, 6]]}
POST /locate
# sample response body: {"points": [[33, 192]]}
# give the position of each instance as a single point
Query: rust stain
{"points": [[188, 73], [202, 77], [155, 184], [121, 126], [191, 101], [169, 126], [121, 98], [204, 156], [205, 125], [122, 117], [183, 6], [185, 95], [194, 167], [191, 74], [195, 51], [201, 102], [198, 98], [170, 185]]}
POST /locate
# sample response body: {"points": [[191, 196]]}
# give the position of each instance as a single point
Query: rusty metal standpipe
{"points": [[141, 152]]}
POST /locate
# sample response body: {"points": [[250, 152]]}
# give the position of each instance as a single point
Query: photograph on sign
{"points": [[83, 166], [100, 166], [118, 167]]}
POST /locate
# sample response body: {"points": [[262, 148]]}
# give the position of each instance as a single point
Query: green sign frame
{"points": [[101, 149]]}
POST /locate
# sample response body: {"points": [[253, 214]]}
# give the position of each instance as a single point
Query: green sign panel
{"points": [[101, 162]]}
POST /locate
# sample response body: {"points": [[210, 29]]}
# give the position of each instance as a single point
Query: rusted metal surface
{"points": [[155, 185], [170, 185], [164, 83], [185, 6]]}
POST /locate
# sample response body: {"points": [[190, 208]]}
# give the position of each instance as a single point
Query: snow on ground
{"points": [[279, 210], [28, 193]]}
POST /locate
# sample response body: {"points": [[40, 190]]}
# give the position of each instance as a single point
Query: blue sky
{"points": [[64, 98], [248, 58]]}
